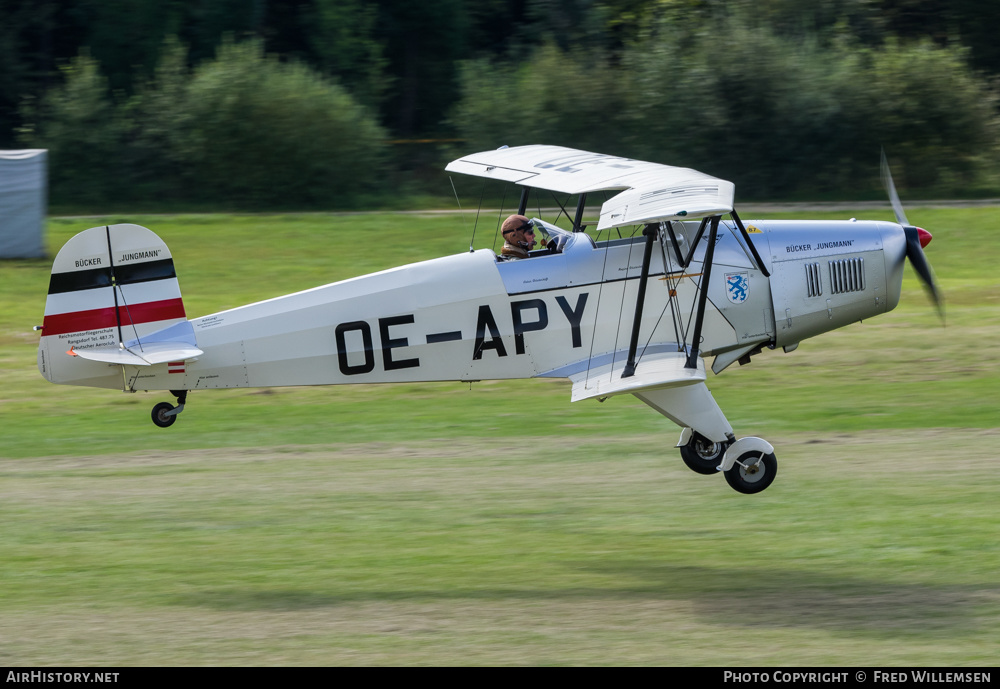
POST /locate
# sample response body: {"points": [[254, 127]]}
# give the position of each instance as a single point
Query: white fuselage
{"points": [[468, 317]]}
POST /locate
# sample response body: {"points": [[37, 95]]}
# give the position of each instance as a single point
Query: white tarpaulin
{"points": [[23, 193]]}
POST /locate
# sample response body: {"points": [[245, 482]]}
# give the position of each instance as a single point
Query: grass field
{"points": [[498, 523]]}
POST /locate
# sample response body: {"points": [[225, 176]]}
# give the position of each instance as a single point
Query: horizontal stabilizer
{"points": [[162, 352], [660, 370], [151, 353], [111, 355]]}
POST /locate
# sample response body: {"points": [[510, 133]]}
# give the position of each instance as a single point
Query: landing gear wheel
{"points": [[753, 472], [703, 456], [159, 415]]}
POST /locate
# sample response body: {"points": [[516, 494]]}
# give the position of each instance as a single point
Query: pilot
{"points": [[518, 237]]}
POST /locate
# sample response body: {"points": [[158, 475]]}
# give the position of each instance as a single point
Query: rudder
{"points": [[109, 285]]}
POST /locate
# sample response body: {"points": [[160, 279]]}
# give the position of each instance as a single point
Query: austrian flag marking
{"points": [[175, 367]]}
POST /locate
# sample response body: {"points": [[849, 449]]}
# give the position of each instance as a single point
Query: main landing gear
{"points": [[752, 472], [703, 456], [749, 463], [164, 414]]}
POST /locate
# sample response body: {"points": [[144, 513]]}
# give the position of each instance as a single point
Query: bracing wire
{"points": [[621, 307], [697, 286], [694, 300], [472, 241], [500, 217], [651, 333], [128, 312], [669, 304], [562, 209], [600, 291], [668, 264], [461, 212]]}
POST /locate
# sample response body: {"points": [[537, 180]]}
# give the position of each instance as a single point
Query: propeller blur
{"points": [[917, 239]]}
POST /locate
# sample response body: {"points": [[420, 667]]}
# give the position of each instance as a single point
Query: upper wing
{"points": [[652, 191]]}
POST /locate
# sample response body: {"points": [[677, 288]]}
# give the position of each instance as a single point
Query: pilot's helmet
{"points": [[513, 229]]}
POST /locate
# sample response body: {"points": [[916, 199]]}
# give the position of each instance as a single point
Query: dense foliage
{"points": [[291, 103], [243, 129], [774, 115]]}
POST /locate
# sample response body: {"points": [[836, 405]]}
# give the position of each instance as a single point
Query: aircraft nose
{"points": [[924, 236]]}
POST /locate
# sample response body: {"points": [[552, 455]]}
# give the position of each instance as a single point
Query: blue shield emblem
{"points": [[737, 287]]}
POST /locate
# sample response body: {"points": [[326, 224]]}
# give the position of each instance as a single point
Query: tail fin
{"points": [[109, 285]]}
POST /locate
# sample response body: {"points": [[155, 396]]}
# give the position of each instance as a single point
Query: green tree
{"points": [[155, 119], [969, 23], [776, 115], [79, 124], [423, 43], [554, 97], [26, 57], [259, 132], [779, 115], [342, 37], [929, 110]]}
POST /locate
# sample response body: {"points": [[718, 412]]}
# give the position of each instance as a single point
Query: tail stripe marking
{"points": [[78, 280], [128, 274], [131, 273], [98, 319]]}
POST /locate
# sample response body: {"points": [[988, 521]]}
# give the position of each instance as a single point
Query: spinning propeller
{"points": [[916, 239]]}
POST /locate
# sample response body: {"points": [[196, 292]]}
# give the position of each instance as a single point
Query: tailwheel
{"points": [[702, 455], [752, 472], [164, 414], [160, 414]]}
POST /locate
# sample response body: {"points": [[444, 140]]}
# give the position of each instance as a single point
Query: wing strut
{"points": [[580, 203], [649, 232], [753, 249], [692, 360], [682, 260]]}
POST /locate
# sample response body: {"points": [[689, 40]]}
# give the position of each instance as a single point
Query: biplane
{"points": [[678, 280]]}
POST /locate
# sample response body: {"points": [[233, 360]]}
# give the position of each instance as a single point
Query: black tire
{"points": [[703, 456], [159, 417], [760, 475]]}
